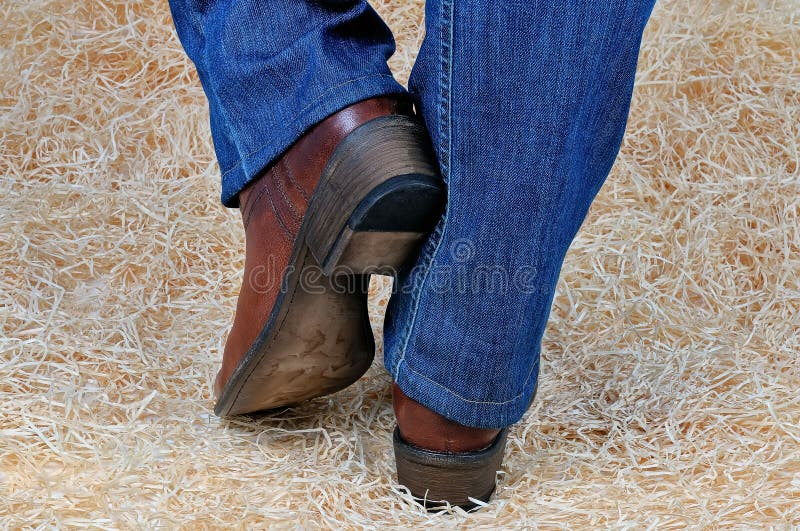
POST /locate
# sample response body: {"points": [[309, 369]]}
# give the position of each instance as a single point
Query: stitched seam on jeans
{"points": [[299, 115], [444, 126], [467, 400], [445, 136]]}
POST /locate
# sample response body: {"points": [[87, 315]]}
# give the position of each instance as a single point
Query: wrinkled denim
{"points": [[526, 103], [273, 69]]}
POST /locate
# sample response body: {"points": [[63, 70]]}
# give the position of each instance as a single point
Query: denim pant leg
{"points": [[527, 104], [272, 69]]}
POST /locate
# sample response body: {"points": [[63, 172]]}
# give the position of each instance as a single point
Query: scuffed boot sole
{"points": [[378, 197]]}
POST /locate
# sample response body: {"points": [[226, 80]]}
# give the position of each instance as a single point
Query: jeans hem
{"points": [[478, 414], [252, 164]]}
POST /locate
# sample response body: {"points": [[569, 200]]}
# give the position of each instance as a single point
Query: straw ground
{"points": [[669, 392]]}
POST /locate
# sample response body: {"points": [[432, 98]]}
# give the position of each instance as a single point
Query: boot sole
{"points": [[438, 478], [378, 197]]}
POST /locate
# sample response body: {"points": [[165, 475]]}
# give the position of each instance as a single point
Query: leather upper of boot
{"points": [[273, 206], [423, 428]]}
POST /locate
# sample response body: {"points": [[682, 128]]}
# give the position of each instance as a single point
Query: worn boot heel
{"points": [[438, 477], [379, 195]]}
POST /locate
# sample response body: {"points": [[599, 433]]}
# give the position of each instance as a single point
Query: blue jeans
{"points": [[526, 103]]}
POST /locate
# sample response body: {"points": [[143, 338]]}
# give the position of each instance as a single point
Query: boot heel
{"points": [[379, 195], [438, 477]]}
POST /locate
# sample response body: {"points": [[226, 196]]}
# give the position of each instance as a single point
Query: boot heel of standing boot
{"points": [[438, 477], [378, 198]]}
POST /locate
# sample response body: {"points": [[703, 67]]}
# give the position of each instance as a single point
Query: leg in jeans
{"points": [[272, 70], [527, 104]]}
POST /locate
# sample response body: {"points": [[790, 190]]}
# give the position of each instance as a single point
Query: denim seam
{"points": [[445, 137], [300, 115], [467, 400]]}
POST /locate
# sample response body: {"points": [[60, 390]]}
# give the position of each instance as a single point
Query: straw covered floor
{"points": [[669, 390]]}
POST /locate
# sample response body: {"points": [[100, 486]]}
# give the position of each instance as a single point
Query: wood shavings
{"points": [[669, 391]]}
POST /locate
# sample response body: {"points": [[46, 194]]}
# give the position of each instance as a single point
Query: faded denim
{"points": [[526, 103]]}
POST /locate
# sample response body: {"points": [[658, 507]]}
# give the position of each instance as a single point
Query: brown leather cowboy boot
{"points": [[441, 461], [356, 194]]}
